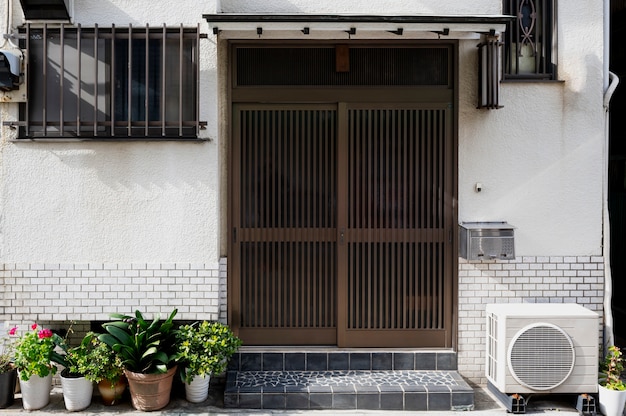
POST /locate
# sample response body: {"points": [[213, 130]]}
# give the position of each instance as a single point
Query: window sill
{"points": [[531, 81], [108, 139]]}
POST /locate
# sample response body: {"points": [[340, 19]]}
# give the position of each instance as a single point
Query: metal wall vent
{"points": [[541, 356]]}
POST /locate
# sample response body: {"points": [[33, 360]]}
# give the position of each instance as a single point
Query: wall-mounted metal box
{"points": [[486, 241]]}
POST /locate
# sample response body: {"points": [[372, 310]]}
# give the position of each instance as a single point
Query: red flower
{"points": [[33, 326], [13, 331], [45, 333]]}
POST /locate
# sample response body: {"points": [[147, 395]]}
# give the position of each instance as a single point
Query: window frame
{"points": [[540, 36], [41, 118]]}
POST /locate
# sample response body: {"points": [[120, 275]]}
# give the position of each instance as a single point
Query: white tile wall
{"points": [[37, 292], [49, 293], [559, 279]]}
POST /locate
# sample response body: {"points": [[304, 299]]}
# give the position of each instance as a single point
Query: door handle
{"points": [[342, 233]]}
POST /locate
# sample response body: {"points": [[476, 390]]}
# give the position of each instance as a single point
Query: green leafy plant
{"points": [[205, 348], [68, 357], [611, 369], [97, 361], [34, 352], [143, 346]]}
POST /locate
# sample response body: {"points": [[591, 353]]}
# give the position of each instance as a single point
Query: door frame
{"points": [[234, 95]]}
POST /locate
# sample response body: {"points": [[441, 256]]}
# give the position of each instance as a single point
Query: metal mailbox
{"points": [[486, 241]]}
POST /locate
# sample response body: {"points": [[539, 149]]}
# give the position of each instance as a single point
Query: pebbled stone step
{"points": [[319, 378], [348, 389]]}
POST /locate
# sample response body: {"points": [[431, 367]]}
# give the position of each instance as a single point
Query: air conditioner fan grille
{"points": [[541, 356]]}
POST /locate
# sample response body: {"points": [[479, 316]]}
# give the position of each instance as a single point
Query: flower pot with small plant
{"points": [[612, 390], [8, 373], [34, 351], [203, 349], [100, 364], [146, 349], [77, 388]]}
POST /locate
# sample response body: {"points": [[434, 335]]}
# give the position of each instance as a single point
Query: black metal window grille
{"points": [[111, 82], [530, 40]]}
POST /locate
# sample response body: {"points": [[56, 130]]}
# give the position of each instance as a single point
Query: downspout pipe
{"points": [[610, 81]]}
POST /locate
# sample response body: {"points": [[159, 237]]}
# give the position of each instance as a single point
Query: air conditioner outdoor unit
{"points": [[542, 348]]}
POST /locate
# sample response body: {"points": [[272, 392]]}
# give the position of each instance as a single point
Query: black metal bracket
{"points": [[586, 405], [514, 403]]}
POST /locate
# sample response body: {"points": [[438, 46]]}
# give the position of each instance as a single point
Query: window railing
{"points": [[530, 40], [115, 83]]}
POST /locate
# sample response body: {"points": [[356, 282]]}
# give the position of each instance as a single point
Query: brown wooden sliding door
{"points": [[394, 224], [285, 206], [342, 222]]}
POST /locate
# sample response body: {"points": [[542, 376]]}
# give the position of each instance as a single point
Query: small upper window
{"points": [[111, 83], [530, 39]]}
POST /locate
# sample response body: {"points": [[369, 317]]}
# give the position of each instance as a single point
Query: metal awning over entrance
{"points": [[349, 26]]}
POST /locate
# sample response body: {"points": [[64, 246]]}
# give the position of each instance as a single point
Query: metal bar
{"points": [[130, 81], [78, 75], [163, 78], [45, 80], [113, 83], [180, 81], [95, 72], [196, 62], [28, 90], [61, 78], [147, 82]]}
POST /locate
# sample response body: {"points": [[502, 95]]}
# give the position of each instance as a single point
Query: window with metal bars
{"points": [[111, 83], [531, 40]]}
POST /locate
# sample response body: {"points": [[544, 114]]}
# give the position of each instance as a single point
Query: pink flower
{"points": [[45, 333], [13, 331], [33, 326]]}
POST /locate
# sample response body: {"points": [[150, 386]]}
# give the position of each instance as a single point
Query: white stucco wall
{"points": [[540, 158], [116, 202]]}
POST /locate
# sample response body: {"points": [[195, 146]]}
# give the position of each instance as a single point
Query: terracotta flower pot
{"points": [[112, 394], [7, 388], [150, 391]]}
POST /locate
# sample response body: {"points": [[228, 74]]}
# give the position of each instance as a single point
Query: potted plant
{"points": [[204, 349], [77, 388], [8, 374], [147, 353], [612, 390], [33, 359], [100, 364]]}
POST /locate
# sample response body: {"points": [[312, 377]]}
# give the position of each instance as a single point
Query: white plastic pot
{"points": [[198, 390], [77, 392], [611, 401], [36, 392]]}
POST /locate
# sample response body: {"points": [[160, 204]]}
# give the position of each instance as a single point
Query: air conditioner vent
{"points": [[541, 356]]}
